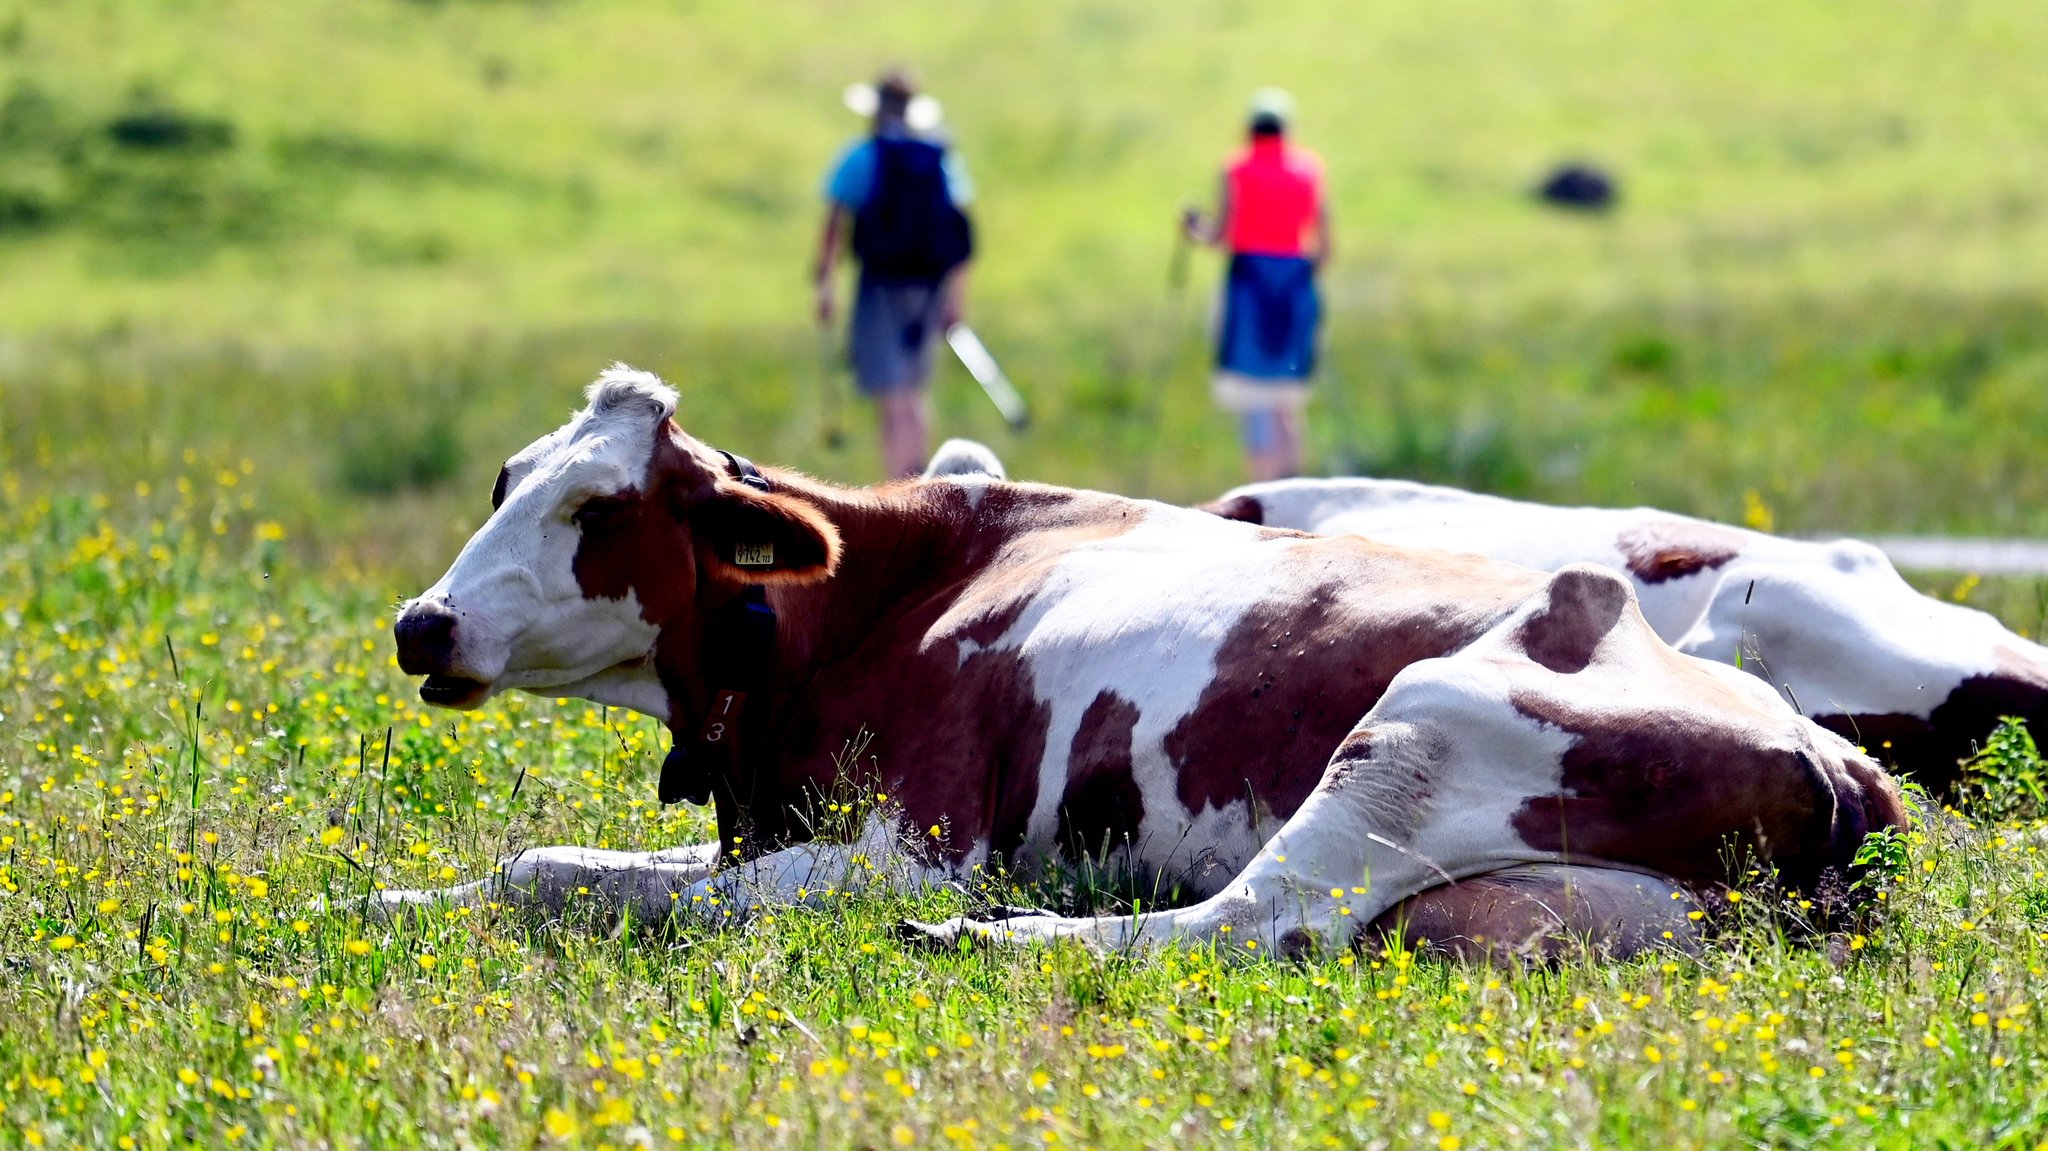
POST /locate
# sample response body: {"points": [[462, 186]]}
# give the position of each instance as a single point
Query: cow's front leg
{"points": [[812, 874], [547, 879], [1353, 850]]}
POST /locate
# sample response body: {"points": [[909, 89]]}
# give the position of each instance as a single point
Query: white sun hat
{"points": [[1274, 104], [923, 114]]}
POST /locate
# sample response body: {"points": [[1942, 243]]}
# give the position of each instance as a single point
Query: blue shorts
{"points": [[891, 338], [1270, 315]]}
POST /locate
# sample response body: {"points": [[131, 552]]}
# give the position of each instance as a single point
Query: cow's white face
{"points": [[596, 547]]}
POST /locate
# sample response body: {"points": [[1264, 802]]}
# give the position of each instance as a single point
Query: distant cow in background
{"points": [[1311, 735], [1916, 681]]}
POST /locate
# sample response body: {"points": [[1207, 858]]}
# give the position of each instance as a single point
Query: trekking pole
{"points": [[1168, 354], [828, 391], [974, 356]]}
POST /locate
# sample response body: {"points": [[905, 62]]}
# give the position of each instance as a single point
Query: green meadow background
{"points": [[282, 283], [393, 239]]}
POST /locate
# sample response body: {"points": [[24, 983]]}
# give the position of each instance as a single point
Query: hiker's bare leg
{"points": [[906, 429]]}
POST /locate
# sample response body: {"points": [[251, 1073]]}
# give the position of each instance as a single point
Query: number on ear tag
{"points": [[725, 711], [754, 555]]}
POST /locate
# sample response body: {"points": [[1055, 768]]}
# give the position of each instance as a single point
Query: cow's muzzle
{"points": [[426, 646]]}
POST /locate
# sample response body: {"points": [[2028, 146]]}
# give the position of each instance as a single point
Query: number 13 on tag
{"points": [[724, 713]]}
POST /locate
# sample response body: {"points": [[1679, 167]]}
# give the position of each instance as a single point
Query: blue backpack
{"points": [[910, 231]]}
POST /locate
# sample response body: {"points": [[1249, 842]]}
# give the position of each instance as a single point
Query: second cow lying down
{"points": [[1309, 735], [1918, 682]]}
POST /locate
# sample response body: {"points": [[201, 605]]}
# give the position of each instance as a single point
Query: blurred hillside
{"points": [[340, 170], [1831, 241]]}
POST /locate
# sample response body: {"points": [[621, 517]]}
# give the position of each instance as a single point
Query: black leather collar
{"points": [[738, 658]]}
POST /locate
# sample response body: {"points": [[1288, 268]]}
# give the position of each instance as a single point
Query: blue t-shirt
{"points": [[852, 179]]}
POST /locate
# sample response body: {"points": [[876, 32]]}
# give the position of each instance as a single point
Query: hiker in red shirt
{"points": [[1274, 220]]}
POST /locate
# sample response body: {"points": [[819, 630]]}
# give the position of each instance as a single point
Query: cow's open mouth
{"points": [[453, 690]]}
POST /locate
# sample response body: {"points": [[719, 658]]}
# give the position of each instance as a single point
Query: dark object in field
{"points": [[169, 130], [1579, 187]]}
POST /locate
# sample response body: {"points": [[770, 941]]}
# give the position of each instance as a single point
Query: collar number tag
{"points": [[754, 555], [725, 711]]}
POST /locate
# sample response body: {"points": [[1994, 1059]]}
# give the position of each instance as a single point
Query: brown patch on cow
{"points": [[1246, 509], [1355, 746], [1669, 549], [1683, 784], [763, 537], [1544, 913], [898, 644], [1102, 808], [1583, 607], [1295, 673], [617, 553], [1933, 747]]}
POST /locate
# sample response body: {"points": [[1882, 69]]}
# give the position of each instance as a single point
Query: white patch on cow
{"points": [[1360, 844], [634, 685], [522, 620], [975, 486], [1859, 642], [1142, 614], [961, 457], [1832, 624]]}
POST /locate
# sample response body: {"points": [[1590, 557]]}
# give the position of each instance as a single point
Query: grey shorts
{"points": [[894, 332]]}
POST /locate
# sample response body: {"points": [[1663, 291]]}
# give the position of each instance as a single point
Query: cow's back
{"points": [[1141, 681]]}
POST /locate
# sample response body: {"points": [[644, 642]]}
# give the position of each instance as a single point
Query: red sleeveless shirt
{"points": [[1276, 194]]}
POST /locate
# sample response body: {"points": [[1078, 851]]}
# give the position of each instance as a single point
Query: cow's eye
{"points": [[498, 490], [601, 511]]}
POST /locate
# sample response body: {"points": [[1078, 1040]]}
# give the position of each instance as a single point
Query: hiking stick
{"points": [[828, 391], [1176, 309], [975, 357]]}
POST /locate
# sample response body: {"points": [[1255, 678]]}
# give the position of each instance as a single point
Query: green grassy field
{"points": [[419, 226], [280, 285], [208, 744]]}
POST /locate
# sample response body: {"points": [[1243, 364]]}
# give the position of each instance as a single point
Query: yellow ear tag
{"points": [[754, 555]]}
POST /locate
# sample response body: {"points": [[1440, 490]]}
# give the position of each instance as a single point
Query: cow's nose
{"points": [[426, 638]]}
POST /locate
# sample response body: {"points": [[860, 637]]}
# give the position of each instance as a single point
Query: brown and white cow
{"points": [[1261, 717], [1917, 681]]}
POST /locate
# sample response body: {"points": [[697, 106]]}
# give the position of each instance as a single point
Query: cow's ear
{"points": [[1243, 508], [764, 537]]}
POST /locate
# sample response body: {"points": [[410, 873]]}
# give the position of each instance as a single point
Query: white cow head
{"points": [[609, 539]]}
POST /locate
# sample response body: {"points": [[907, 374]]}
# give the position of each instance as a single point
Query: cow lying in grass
{"points": [[1309, 735], [1918, 682]]}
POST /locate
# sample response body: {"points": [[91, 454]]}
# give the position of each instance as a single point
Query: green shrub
{"points": [[2005, 780]]}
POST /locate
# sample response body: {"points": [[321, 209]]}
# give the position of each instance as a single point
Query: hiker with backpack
{"points": [[1273, 219], [899, 194]]}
